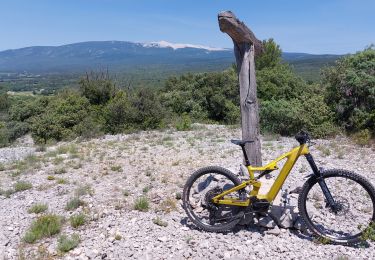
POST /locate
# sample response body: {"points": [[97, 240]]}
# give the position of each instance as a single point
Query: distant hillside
{"points": [[308, 65], [115, 55], [144, 63]]}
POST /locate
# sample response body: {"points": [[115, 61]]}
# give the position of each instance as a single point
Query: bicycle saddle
{"points": [[241, 142]]}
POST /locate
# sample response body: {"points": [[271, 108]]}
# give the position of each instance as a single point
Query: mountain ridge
{"points": [[147, 62], [115, 53]]}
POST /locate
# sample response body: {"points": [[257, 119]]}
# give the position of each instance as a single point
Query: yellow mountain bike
{"points": [[336, 205]]}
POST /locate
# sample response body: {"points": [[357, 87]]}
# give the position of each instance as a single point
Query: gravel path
{"points": [[110, 173]]}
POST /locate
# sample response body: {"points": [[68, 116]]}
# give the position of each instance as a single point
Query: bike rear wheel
{"points": [[200, 188], [354, 208]]}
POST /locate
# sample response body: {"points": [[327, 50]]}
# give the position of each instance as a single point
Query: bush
{"points": [[362, 137], [65, 244], [270, 57], [212, 96], [4, 101], [22, 185], [98, 88], [131, 111], [183, 123], [23, 110], [66, 112], [369, 232], [38, 208], [17, 129], [141, 204], [148, 111], [287, 117], [118, 114], [158, 221], [44, 226], [351, 90], [4, 135], [77, 220], [73, 204]]}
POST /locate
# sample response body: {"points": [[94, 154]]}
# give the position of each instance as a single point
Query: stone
{"points": [[162, 239], [266, 222], [284, 216], [274, 231]]}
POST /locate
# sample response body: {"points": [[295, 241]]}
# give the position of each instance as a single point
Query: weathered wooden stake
{"points": [[246, 46]]}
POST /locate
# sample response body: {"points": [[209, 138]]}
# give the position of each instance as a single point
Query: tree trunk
{"points": [[246, 45], [244, 53]]}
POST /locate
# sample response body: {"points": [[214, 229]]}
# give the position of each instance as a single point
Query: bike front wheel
{"points": [[353, 212], [200, 188]]}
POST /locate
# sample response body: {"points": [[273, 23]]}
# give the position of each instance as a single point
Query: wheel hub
{"points": [[341, 206], [210, 195]]}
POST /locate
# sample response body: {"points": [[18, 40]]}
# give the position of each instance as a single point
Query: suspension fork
{"points": [[327, 194]]}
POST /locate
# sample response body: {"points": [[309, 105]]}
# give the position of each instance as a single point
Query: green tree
{"points": [[63, 115], [118, 114], [350, 88], [4, 101], [136, 110], [98, 88], [271, 56]]}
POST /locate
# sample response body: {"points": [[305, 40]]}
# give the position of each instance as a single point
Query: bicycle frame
{"points": [[292, 156]]}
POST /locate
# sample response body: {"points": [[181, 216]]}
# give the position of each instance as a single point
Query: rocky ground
{"points": [[110, 173]]}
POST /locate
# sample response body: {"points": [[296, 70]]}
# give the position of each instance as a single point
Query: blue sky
{"points": [[319, 26]]}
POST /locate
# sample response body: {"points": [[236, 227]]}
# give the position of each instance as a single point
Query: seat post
{"points": [[245, 155]]}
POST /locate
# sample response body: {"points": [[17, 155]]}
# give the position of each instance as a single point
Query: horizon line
{"points": [[149, 42]]}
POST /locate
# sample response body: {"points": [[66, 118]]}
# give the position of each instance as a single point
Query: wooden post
{"points": [[246, 46]]}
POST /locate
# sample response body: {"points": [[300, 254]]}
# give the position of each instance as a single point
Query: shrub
{"points": [[118, 113], [7, 193], [38, 208], [287, 117], [73, 204], [98, 88], [4, 135], [183, 123], [65, 244], [141, 204], [212, 96], [168, 205], [130, 111], [279, 82], [369, 232], [4, 101], [17, 129], [158, 221], [350, 91], [43, 226], [362, 137], [25, 109], [65, 113], [22, 185], [62, 181], [77, 220], [148, 111], [51, 178], [270, 57]]}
